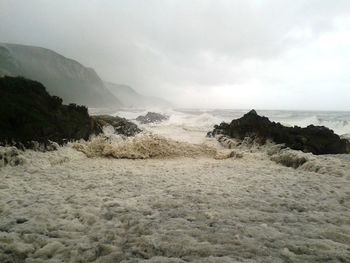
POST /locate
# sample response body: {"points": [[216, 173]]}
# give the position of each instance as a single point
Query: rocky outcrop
{"points": [[120, 125], [314, 139], [31, 118], [152, 117], [28, 113], [63, 77]]}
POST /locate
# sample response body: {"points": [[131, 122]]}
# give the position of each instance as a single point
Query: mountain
{"points": [[62, 76], [132, 99]]}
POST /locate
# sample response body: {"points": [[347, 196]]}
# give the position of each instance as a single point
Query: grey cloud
{"points": [[163, 46]]}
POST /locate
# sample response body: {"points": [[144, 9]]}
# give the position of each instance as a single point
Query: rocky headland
{"points": [[31, 118], [314, 139]]}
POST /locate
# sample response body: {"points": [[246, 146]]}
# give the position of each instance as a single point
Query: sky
{"points": [[263, 54]]}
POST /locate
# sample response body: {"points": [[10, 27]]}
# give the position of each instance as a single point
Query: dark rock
{"points": [[210, 134], [21, 220], [120, 125], [152, 117], [314, 139], [31, 118]]}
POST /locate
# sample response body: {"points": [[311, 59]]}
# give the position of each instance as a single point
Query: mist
{"points": [[200, 54], [173, 131]]}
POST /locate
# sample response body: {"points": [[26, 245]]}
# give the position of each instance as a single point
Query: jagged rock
{"points": [[31, 118], [120, 125], [152, 117], [314, 139]]}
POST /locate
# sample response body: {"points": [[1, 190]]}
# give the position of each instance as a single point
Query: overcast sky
{"points": [[264, 54]]}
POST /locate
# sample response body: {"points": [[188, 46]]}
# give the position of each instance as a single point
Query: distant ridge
{"points": [[132, 99], [62, 76]]}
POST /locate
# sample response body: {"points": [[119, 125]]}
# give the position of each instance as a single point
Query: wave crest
{"points": [[142, 147], [308, 162]]}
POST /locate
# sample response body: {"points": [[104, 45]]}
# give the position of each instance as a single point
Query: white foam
{"points": [[142, 146], [79, 206], [248, 209], [182, 125], [340, 125]]}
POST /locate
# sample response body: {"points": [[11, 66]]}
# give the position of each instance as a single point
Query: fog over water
{"points": [[200, 54]]}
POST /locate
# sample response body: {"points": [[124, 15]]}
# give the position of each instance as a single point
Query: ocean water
{"points": [[187, 123], [153, 199]]}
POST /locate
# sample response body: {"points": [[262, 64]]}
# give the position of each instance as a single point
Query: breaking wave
{"points": [[278, 153], [339, 122], [142, 146], [338, 126], [310, 163]]}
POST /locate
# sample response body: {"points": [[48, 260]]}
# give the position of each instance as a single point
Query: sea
{"points": [[150, 198], [192, 124]]}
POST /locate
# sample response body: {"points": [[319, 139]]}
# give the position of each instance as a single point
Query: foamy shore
{"points": [[63, 206]]}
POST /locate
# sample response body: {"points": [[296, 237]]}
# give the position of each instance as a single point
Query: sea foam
{"points": [[143, 146]]}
